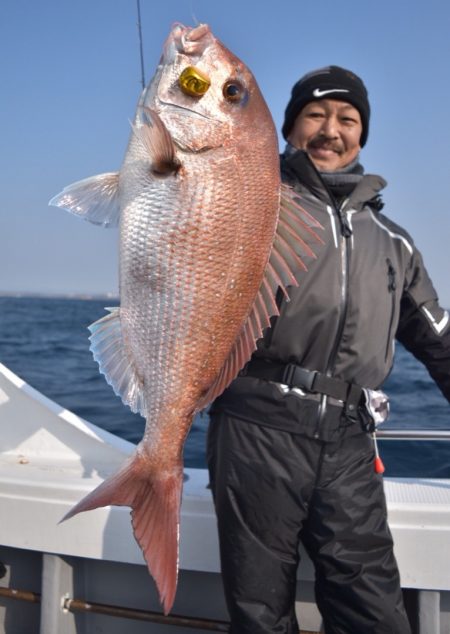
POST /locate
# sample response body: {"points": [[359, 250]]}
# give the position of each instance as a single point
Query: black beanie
{"points": [[331, 82]]}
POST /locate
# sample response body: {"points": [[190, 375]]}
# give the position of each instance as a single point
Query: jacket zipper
{"points": [[345, 251], [346, 232], [392, 285]]}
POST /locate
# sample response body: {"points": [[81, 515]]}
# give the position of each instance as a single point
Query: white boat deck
{"points": [[50, 458]]}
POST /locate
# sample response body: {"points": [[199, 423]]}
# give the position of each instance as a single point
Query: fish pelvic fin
{"points": [[107, 347], [95, 199], [152, 133], [296, 242], [155, 500]]}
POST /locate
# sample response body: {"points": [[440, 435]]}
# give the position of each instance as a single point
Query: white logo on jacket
{"points": [[438, 326]]}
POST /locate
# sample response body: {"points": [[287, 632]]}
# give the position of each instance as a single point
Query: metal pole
{"points": [[411, 434], [76, 605], [20, 595]]}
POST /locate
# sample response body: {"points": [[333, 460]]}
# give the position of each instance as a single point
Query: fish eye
{"points": [[193, 82], [234, 91]]}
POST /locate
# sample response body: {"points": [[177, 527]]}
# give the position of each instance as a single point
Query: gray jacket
{"points": [[367, 286]]}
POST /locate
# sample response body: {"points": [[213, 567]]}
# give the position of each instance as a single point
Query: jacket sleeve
{"points": [[424, 327]]}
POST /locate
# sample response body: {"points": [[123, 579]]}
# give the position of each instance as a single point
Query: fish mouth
{"points": [[192, 125], [187, 40]]}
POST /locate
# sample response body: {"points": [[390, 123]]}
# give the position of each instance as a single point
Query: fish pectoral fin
{"points": [[154, 498], [95, 199], [108, 349], [155, 138]]}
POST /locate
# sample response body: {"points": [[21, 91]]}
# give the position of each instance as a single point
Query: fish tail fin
{"points": [[156, 525], [155, 500]]}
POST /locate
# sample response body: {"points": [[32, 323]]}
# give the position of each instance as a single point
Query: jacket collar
{"points": [[298, 167]]}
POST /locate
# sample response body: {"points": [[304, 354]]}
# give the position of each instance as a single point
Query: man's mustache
{"points": [[324, 143]]}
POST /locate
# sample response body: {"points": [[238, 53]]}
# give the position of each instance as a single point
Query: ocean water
{"points": [[45, 341]]}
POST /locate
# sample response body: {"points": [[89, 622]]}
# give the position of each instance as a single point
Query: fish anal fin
{"points": [[152, 133], [107, 347], [155, 499], [95, 199]]}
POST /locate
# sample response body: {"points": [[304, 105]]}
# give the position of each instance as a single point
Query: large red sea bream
{"points": [[204, 246]]}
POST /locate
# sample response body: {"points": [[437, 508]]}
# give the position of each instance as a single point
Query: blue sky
{"points": [[70, 80]]}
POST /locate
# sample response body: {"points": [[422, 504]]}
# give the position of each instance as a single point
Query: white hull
{"points": [[50, 458]]}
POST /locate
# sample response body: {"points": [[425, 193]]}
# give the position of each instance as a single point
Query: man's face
{"points": [[329, 131]]}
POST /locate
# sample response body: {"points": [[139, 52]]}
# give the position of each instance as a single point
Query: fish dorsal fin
{"points": [[155, 138], [95, 199], [108, 350], [296, 231]]}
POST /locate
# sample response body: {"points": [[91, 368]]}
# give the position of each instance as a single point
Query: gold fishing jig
{"points": [[193, 82]]}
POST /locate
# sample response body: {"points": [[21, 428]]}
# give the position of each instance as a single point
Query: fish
{"points": [[208, 237]]}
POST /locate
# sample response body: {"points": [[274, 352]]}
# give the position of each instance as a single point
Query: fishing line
{"points": [[140, 43]]}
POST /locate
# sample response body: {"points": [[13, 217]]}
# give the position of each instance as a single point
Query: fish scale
{"points": [[207, 237]]}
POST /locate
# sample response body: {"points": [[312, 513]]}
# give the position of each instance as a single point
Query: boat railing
{"points": [[413, 434]]}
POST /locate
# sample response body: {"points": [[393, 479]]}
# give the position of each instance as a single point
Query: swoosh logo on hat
{"points": [[320, 93]]}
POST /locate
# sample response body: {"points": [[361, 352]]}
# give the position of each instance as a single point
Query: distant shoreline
{"points": [[82, 296]]}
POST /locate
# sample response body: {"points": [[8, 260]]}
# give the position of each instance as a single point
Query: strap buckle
{"points": [[296, 376]]}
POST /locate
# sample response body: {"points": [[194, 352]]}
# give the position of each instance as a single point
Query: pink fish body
{"points": [[203, 248]]}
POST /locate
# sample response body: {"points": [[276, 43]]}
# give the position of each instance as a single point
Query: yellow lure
{"points": [[193, 82]]}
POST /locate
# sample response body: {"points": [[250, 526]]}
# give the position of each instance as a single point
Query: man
{"points": [[290, 448]]}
